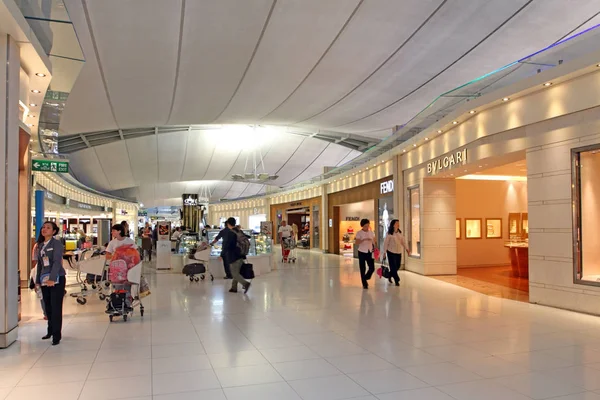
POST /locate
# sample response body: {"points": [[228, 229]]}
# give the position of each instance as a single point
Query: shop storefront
{"points": [[373, 201], [248, 213], [304, 214]]}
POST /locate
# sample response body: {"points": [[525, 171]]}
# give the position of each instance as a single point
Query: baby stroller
{"points": [[196, 264], [288, 247], [125, 276]]}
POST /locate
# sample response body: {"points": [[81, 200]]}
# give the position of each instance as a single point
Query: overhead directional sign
{"points": [[50, 166]]}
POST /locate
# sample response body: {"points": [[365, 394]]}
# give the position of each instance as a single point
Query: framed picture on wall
{"points": [[493, 228], [458, 230], [472, 228]]}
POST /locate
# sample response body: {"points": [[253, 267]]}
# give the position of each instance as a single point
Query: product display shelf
{"points": [[260, 254]]}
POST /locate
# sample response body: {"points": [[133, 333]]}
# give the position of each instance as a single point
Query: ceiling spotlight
{"points": [[597, 65], [35, 91], [547, 83], [472, 112], [426, 138], [32, 105], [41, 75], [506, 99], [404, 151], [439, 131], [454, 122], [415, 145]]}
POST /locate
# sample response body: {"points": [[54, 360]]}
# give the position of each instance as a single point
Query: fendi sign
{"points": [[447, 162]]}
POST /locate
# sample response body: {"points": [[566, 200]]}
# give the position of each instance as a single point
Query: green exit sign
{"points": [[50, 166]]}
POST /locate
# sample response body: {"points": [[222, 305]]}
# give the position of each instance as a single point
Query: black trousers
{"points": [[365, 259], [394, 261], [227, 268], [53, 300]]}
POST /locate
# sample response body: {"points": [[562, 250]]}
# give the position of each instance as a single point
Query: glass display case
{"points": [[259, 243], [188, 242]]}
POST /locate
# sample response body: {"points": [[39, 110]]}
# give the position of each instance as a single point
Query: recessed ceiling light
{"points": [[41, 75], [35, 91], [506, 99], [472, 112], [426, 138], [480, 166], [404, 151], [415, 145], [454, 122], [547, 83], [32, 105], [439, 131], [597, 65]]}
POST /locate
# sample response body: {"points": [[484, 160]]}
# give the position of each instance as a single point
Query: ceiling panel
{"points": [[137, 44], [297, 35], [214, 55], [330, 156], [115, 164], [198, 155], [497, 51], [451, 32], [358, 52], [306, 154], [143, 153], [88, 170], [172, 148]]}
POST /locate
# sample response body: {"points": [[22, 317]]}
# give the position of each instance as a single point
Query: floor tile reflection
{"points": [[308, 331]]}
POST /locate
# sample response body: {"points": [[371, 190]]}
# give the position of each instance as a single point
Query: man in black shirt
{"points": [[231, 255], [222, 235]]}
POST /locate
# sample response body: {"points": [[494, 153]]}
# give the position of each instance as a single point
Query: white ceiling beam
{"points": [[85, 140]]}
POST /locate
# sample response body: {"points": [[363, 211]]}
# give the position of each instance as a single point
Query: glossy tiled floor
{"points": [[309, 331]]}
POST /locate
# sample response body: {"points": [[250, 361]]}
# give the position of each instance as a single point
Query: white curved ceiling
{"points": [[348, 66]]}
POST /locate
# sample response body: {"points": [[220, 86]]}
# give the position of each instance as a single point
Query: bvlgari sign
{"points": [[447, 162]]}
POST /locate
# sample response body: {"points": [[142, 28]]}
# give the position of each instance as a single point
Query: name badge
{"points": [[46, 261]]}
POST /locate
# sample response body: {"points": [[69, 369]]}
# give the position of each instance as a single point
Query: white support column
{"points": [[9, 189], [438, 226], [324, 233]]}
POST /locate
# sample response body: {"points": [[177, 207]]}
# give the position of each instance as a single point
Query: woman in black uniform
{"points": [[51, 278]]}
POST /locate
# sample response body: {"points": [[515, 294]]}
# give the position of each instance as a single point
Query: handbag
{"points": [[247, 271], [385, 270]]}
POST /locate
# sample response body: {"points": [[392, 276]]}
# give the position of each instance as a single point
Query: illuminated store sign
{"points": [[387, 187], [447, 162], [190, 200]]}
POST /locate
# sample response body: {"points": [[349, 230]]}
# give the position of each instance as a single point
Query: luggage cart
{"points": [[197, 264], [93, 263], [125, 296], [288, 250]]}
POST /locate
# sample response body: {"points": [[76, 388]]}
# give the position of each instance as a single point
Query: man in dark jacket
{"points": [[231, 255], [222, 235]]}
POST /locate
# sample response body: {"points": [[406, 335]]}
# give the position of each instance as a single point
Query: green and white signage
{"points": [[50, 166]]}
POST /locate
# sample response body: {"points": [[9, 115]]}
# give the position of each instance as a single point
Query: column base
{"points": [[6, 339]]}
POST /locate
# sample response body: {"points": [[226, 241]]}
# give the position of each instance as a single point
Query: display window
{"points": [[586, 197], [414, 209], [458, 229], [473, 228], [493, 228], [386, 215]]}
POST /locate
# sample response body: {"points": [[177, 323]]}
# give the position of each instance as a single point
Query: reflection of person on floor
{"points": [[224, 232], [365, 240], [393, 247], [366, 304]]}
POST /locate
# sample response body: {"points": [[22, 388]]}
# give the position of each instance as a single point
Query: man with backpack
{"points": [[234, 251]]}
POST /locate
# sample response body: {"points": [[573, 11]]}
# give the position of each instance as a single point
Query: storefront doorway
{"points": [[492, 231], [303, 214]]}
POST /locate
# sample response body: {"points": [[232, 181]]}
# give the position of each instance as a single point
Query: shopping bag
{"points": [[376, 254], [144, 287], [380, 272], [117, 271], [247, 271]]}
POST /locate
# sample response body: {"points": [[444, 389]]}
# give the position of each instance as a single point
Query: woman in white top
{"points": [[365, 240], [119, 239], [393, 246]]}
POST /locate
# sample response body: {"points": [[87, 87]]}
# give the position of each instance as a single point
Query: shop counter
{"points": [[519, 259]]}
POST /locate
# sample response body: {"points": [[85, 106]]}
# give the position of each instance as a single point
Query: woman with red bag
{"points": [[393, 247]]}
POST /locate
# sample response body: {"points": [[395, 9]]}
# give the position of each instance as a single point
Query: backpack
{"points": [[242, 243]]}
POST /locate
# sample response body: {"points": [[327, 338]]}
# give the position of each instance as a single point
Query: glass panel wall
{"points": [[586, 198], [414, 234]]}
